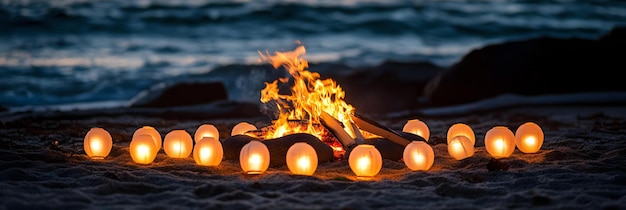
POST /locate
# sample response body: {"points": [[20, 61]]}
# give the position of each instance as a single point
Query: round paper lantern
{"points": [[241, 128], [365, 161], [151, 132], [417, 127], [97, 143], [206, 130], [178, 144], [254, 157], [500, 142], [460, 147], [529, 137], [208, 152], [460, 129], [142, 149], [418, 155], [301, 159]]}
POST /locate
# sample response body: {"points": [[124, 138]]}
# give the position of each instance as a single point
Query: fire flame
{"points": [[308, 97]]}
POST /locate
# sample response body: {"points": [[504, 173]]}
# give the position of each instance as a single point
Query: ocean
{"points": [[72, 51]]}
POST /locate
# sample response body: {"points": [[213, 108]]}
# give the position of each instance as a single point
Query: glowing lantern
{"points": [[208, 152], [178, 144], [365, 161], [142, 149], [418, 155], [301, 159], [97, 143], [206, 130], [156, 136], [242, 128], [500, 142], [460, 147], [254, 157], [417, 127], [529, 137], [463, 130]]}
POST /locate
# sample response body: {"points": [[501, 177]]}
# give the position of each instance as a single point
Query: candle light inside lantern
{"points": [[460, 147], [206, 130], [301, 159], [460, 129], [500, 142], [365, 161], [178, 144], [156, 136], [143, 149], [241, 128], [529, 137], [208, 152], [418, 155], [97, 143], [254, 157], [417, 127]]}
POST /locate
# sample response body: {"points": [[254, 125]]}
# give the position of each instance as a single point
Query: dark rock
{"points": [[617, 36], [218, 109], [180, 94], [391, 86], [278, 147], [533, 67]]}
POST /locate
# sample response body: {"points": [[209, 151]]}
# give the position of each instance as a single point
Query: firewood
{"points": [[358, 136], [378, 129], [336, 128]]}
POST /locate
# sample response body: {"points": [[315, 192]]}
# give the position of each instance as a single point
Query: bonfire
{"points": [[305, 103]]}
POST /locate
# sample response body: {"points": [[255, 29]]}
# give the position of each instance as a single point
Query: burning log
{"points": [[358, 136], [391, 150], [334, 126]]}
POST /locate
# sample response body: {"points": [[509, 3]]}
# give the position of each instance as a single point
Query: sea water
{"points": [[70, 51]]}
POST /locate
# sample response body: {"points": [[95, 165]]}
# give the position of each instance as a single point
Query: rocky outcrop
{"points": [[391, 86], [180, 94], [532, 67]]}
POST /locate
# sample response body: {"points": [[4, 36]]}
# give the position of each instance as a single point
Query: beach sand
{"points": [[580, 166]]}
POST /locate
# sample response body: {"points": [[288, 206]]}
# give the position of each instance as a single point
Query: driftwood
{"points": [[278, 147], [391, 146], [378, 129]]}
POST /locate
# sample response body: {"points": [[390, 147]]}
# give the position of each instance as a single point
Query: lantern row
{"points": [[500, 142], [364, 160]]}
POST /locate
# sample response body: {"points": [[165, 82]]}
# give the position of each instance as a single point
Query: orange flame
{"points": [[308, 97]]}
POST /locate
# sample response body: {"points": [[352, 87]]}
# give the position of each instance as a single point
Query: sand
{"points": [[580, 166]]}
